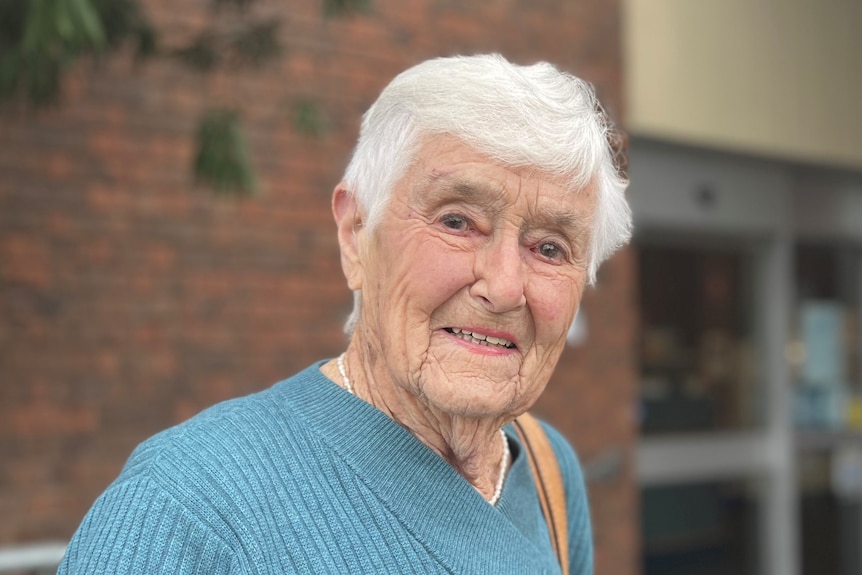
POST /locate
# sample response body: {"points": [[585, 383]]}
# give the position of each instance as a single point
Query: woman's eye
{"points": [[455, 222], [551, 251]]}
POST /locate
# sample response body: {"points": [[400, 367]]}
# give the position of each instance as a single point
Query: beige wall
{"points": [[781, 78]]}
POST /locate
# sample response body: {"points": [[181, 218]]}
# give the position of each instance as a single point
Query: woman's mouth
{"points": [[480, 338]]}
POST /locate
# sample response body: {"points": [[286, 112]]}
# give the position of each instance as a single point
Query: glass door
{"points": [[701, 391], [716, 462], [699, 359], [826, 355]]}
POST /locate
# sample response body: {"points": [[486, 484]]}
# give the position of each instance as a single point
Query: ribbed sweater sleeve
{"points": [[136, 527]]}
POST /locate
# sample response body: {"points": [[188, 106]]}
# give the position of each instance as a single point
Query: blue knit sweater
{"points": [[306, 478]]}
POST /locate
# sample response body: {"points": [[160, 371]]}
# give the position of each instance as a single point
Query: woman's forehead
{"points": [[442, 155], [449, 170]]}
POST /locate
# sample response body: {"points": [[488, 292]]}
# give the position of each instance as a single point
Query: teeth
{"points": [[480, 338]]}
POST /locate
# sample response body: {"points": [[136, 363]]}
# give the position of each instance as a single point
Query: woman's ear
{"points": [[348, 220]]}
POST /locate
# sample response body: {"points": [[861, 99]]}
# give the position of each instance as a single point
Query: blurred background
{"points": [[166, 243]]}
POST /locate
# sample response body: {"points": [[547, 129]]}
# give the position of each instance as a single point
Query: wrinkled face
{"points": [[471, 280]]}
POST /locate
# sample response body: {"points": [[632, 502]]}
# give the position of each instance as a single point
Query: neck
{"points": [[472, 446]]}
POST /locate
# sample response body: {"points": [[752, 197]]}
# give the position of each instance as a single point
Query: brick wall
{"points": [[130, 298]]}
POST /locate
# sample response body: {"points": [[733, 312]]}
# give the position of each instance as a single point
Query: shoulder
{"points": [[209, 457], [226, 426], [195, 484], [214, 434], [217, 457]]}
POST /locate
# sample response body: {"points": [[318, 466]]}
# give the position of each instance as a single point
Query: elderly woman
{"points": [[480, 200]]}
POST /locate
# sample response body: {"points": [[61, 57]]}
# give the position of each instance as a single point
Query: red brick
{"points": [[130, 298], [25, 260], [42, 420]]}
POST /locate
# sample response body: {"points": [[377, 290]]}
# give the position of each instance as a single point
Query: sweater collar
{"points": [[443, 511]]}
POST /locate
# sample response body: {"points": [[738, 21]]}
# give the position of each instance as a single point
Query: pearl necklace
{"points": [[504, 462], [346, 380]]}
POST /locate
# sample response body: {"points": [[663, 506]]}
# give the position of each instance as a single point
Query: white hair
{"points": [[534, 116]]}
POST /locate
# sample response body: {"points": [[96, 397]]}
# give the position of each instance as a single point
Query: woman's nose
{"points": [[500, 275]]}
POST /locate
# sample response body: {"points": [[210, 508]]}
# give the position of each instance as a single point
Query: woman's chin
{"points": [[477, 399]]}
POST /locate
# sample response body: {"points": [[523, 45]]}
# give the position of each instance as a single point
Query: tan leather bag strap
{"points": [[549, 483]]}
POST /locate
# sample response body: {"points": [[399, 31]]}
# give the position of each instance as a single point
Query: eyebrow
{"points": [[452, 188], [573, 224], [462, 189]]}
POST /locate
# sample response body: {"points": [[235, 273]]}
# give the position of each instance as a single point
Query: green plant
{"points": [[222, 159], [41, 39]]}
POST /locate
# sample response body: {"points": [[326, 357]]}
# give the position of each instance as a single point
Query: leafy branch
{"points": [[41, 39]]}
